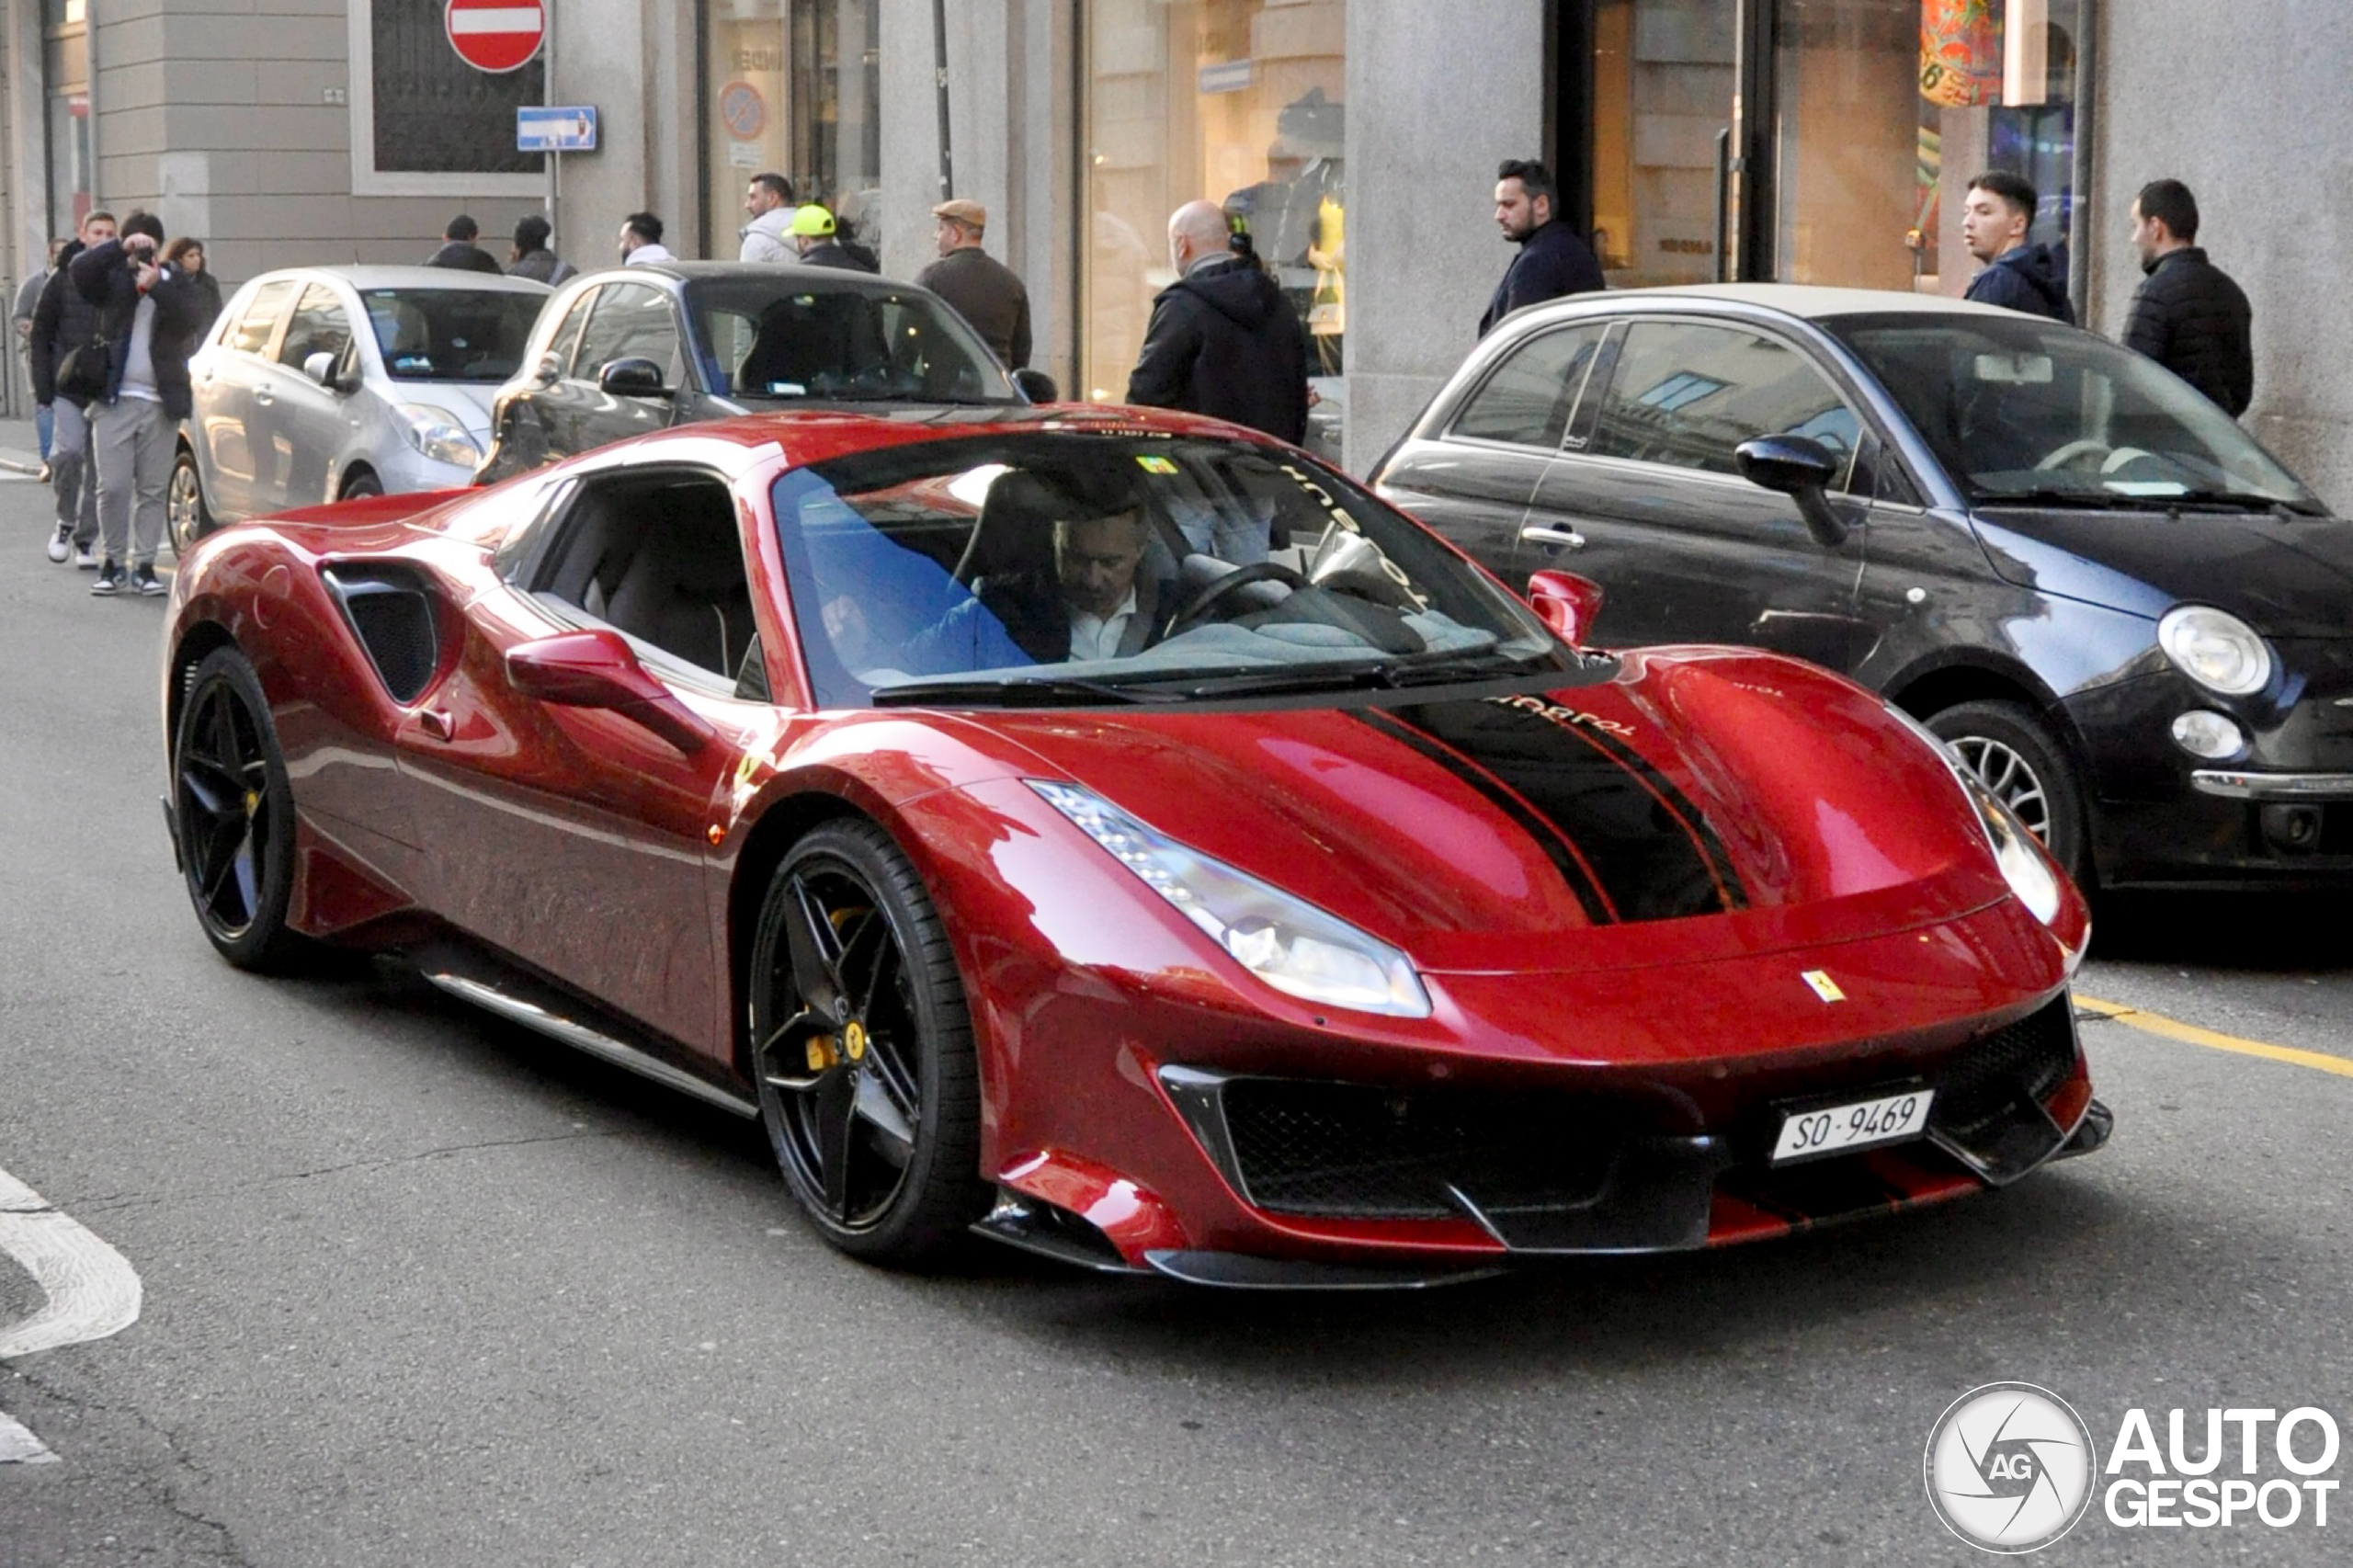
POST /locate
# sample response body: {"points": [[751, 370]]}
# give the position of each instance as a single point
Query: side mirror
{"points": [[1567, 602], [1801, 469], [632, 378], [336, 372], [1037, 386], [596, 669], [320, 368]]}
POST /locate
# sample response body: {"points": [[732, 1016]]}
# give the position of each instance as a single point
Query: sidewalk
{"points": [[19, 447]]}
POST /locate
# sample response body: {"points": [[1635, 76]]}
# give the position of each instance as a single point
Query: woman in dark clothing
{"points": [[186, 255]]}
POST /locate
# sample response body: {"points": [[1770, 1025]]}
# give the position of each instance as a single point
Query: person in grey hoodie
{"points": [[1224, 340], [2017, 276], [767, 201]]}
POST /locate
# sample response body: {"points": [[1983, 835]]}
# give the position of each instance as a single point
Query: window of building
{"points": [[793, 87], [1242, 102], [66, 67], [426, 123], [1685, 395]]}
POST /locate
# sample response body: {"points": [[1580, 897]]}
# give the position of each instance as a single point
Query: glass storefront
{"points": [[1242, 102], [1866, 120], [66, 67], [792, 87]]}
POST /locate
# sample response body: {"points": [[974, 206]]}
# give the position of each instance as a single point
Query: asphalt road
{"points": [[420, 1290]]}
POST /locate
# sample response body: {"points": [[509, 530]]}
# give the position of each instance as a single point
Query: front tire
{"points": [[362, 485], [862, 1051], [2014, 753], [184, 512], [233, 807]]}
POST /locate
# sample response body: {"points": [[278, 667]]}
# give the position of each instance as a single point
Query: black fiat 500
{"points": [[2131, 620]]}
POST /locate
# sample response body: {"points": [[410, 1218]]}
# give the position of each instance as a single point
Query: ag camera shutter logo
{"points": [[2009, 1468]]}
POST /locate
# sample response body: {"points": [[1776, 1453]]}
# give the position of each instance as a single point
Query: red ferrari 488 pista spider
{"points": [[1129, 839]]}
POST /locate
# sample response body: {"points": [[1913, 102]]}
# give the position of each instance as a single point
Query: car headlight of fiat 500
{"points": [[2021, 862], [437, 433], [2216, 649], [1285, 941]]}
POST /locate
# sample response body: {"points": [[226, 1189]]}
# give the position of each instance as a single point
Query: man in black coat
{"points": [[150, 316], [1551, 261], [2017, 276], [1224, 340], [2187, 315], [459, 250]]}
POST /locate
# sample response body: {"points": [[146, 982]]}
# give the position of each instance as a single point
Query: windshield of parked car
{"points": [[2023, 409], [1060, 568], [785, 339], [450, 335]]}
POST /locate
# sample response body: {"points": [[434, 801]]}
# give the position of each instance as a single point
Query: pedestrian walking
{"points": [[641, 240], [186, 255], [149, 316], [768, 203], [1551, 261], [818, 237], [2187, 314], [1224, 340], [29, 296], [2016, 276], [459, 250], [532, 257], [65, 338], [983, 290]]}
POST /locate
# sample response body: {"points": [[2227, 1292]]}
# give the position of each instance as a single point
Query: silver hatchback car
{"points": [[294, 407]]}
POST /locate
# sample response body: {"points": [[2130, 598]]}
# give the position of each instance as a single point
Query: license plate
{"points": [[1859, 1124]]}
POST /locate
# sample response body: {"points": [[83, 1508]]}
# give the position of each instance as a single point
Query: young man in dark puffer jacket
{"points": [[2187, 315]]}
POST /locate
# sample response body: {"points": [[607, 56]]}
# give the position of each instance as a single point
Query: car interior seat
{"points": [[684, 589]]}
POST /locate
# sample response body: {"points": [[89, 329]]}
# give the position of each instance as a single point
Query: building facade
{"points": [[1810, 141]]}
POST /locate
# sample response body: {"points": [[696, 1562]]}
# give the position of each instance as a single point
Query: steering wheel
{"points": [[2084, 446], [1198, 603]]}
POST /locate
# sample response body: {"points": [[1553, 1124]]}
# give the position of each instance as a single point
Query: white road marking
{"points": [[91, 1291]]}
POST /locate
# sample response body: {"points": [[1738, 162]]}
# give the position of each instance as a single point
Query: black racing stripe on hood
{"points": [[1564, 855], [1646, 843]]}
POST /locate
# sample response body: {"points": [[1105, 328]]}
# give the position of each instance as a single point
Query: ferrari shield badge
{"points": [[1824, 986]]}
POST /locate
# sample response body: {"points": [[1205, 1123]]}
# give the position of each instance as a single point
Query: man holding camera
{"points": [[149, 316]]}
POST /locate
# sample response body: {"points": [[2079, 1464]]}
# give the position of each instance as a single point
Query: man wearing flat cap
{"points": [[983, 290]]}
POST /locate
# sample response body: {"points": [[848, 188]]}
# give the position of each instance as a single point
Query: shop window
{"points": [[1241, 102], [65, 68], [426, 123], [793, 87]]}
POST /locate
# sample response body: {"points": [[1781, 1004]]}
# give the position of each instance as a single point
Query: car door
{"points": [[630, 321], [231, 427], [573, 839], [313, 422], [1473, 484], [1684, 548]]}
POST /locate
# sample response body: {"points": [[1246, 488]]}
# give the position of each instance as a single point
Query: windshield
{"points": [[450, 335], [2019, 408], [1062, 568], [787, 340]]}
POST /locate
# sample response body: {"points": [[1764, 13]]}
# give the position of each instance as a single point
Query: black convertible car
{"points": [[2128, 619]]}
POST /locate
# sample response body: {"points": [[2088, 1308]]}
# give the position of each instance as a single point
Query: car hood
{"points": [[2287, 577], [1758, 799]]}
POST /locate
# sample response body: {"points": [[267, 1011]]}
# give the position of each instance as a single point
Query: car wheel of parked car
{"points": [[184, 507], [2015, 754], [234, 808], [362, 484], [862, 1049]]}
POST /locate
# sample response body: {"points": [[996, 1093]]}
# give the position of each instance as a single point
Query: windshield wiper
{"points": [[2113, 500], [1015, 691]]}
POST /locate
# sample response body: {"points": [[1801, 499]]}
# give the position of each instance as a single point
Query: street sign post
{"points": [[497, 36], [551, 128]]}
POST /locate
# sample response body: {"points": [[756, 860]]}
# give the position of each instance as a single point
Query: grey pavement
{"points": [[421, 1290]]}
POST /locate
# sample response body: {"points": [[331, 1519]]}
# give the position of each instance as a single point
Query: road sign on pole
{"points": [[555, 128], [497, 36]]}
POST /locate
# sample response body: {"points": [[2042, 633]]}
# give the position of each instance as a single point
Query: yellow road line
{"points": [[2190, 1034]]}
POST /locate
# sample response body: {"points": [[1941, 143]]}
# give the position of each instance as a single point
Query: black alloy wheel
{"points": [[362, 485], [234, 811], [2015, 755], [185, 513], [862, 1049]]}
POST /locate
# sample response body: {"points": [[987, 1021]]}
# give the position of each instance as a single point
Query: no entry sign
{"points": [[497, 36]]}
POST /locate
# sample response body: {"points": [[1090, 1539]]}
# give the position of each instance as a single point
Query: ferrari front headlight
{"points": [[437, 434], [1285, 941]]}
